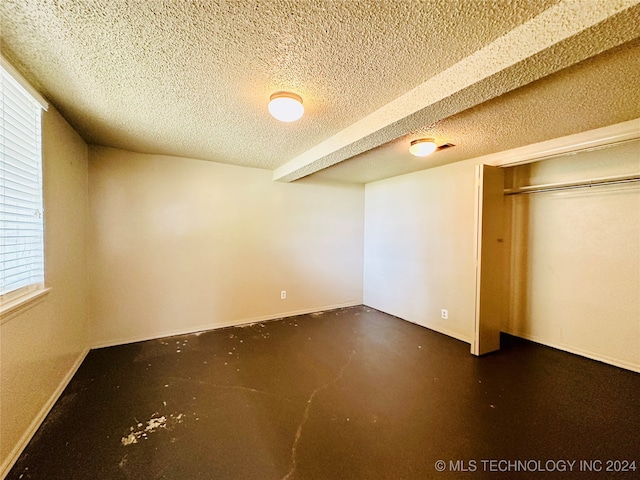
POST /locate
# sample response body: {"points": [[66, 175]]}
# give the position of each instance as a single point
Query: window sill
{"points": [[18, 305]]}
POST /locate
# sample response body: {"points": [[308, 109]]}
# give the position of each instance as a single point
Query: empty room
{"points": [[340, 239]]}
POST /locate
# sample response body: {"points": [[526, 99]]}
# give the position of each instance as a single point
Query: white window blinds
{"points": [[21, 222]]}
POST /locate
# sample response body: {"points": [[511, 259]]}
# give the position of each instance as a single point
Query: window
{"points": [[21, 219]]}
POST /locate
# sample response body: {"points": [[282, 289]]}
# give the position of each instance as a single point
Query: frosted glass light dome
{"points": [[422, 147], [285, 106]]}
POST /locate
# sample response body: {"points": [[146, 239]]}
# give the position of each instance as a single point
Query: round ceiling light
{"points": [[285, 106], [422, 147]]}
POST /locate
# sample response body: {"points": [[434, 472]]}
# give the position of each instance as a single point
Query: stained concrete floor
{"points": [[345, 394]]}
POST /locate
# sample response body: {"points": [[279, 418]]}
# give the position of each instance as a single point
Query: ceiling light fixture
{"points": [[285, 106], [422, 147]]}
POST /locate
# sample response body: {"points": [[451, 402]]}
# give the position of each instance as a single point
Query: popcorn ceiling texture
{"points": [[598, 92], [193, 79], [552, 40]]}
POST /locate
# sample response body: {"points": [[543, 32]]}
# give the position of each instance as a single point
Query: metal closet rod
{"points": [[549, 187]]}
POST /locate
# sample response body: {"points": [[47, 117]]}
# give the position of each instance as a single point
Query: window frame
{"points": [[16, 301]]}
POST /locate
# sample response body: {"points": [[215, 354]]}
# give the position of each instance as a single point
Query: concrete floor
{"points": [[345, 394]]}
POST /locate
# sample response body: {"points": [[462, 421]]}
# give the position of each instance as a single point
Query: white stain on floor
{"points": [[153, 425]]}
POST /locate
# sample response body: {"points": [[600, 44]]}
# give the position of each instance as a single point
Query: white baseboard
{"points": [[435, 328], [444, 331], [216, 326], [616, 362], [12, 458]]}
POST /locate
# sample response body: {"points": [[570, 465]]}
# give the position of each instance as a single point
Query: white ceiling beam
{"points": [[411, 110]]}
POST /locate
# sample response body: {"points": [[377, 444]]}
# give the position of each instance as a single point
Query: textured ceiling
{"points": [[601, 91], [193, 79]]}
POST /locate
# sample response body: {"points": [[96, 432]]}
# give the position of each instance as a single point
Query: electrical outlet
{"points": [[283, 295], [444, 313]]}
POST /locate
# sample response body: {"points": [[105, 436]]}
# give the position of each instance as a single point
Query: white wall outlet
{"points": [[283, 295], [444, 313]]}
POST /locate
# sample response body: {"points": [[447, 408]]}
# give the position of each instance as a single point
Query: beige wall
{"points": [[41, 347], [419, 247], [574, 262], [572, 258], [180, 245]]}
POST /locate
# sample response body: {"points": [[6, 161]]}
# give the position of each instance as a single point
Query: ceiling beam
{"points": [[567, 33]]}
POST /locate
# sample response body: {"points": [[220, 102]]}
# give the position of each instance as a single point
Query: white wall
{"points": [[42, 346], [572, 258], [419, 247], [180, 245], [574, 262]]}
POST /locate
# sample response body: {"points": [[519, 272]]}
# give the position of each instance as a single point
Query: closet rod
{"points": [[550, 187]]}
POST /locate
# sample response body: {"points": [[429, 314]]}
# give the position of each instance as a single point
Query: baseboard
{"points": [[216, 326], [578, 351], [12, 458], [443, 331]]}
